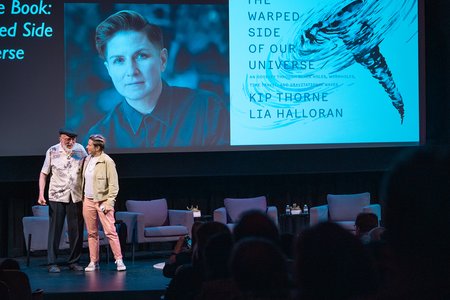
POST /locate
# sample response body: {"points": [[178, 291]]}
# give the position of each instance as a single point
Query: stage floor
{"points": [[141, 280]]}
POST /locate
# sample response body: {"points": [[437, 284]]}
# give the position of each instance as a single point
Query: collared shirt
{"points": [[182, 118], [65, 173]]}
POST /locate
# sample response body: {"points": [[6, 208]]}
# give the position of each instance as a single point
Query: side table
{"points": [[293, 224], [204, 218]]}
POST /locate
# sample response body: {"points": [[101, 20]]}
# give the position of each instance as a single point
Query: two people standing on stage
{"points": [[72, 175]]}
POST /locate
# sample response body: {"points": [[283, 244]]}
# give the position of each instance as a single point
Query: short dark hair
{"points": [[366, 221], [9, 264], [126, 20], [257, 224], [98, 140]]}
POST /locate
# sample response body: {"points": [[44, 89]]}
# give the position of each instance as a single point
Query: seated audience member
{"points": [[416, 192], [181, 254], [372, 236], [376, 234], [383, 261], [15, 283], [5, 293], [364, 223], [256, 224], [331, 263], [259, 269], [204, 233], [217, 283], [186, 283], [216, 255], [9, 264], [287, 243]]}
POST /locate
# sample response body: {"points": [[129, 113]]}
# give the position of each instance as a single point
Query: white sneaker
{"points": [[120, 265], [92, 267]]}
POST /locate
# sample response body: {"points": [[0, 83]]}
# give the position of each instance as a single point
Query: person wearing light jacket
{"points": [[100, 187]]}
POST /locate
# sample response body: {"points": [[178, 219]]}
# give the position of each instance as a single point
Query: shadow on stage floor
{"points": [[141, 280]]}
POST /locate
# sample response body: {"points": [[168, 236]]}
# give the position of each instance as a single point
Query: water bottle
{"points": [[288, 210], [305, 209]]}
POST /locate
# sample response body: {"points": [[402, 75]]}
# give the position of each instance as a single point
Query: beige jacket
{"points": [[106, 180]]}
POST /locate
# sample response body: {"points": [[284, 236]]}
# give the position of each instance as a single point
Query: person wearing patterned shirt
{"points": [[62, 164]]}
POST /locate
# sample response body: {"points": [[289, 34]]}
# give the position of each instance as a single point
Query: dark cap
{"points": [[68, 132]]}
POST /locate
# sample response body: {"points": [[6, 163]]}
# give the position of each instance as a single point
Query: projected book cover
{"points": [[323, 72], [229, 75]]}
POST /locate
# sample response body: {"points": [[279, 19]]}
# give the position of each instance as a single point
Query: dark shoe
{"points": [[54, 269], [76, 267]]}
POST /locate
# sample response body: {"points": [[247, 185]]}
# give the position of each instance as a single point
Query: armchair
{"points": [[151, 221], [343, 209], [233, 208], [35, 231]]}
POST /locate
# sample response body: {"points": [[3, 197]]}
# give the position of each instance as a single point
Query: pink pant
{"points": [[91, 210]]}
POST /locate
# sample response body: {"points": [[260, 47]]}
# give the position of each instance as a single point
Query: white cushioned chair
{"points": [[343, 209], [233, 208], [35, 231], [151, 221]]}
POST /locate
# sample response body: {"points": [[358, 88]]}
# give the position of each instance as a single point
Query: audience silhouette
{"points": [[332, 263], [364, 223], [256, 223], [9, 264], [182, 253], [15, 284], [259, 269], [416, 195], [217, 283], [187, 282]]}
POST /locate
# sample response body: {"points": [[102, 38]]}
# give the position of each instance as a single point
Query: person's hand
{"points": [[179, 245], [177, 249], [105, 208], [42, 201]]}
